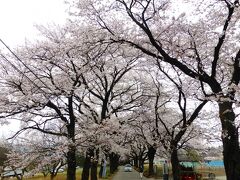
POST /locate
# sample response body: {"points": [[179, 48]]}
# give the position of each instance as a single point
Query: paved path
{"points": [[221, 178], [134, 175]]}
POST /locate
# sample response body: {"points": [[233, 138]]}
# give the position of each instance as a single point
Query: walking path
{"points": [[134, 175]]}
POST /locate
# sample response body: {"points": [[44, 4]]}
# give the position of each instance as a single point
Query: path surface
{"points": [[121, 175], [221, 178]]}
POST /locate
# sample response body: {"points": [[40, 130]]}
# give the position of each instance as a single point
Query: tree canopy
{"points": [[128, 76]]}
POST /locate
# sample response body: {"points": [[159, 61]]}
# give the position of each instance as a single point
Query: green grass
{"points": [[216, 171], [201, 170], [60, 176]]}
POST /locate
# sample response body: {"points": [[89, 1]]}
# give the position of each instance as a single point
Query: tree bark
{"points": [[52, 176], [87, 164], [114, 162], [71, 154], [71, 162], [151, 154], [135, 161], [230, 139], [141, 162], [101, 169], [94, 170], [94, 164], [175, 164], [86, 168]]}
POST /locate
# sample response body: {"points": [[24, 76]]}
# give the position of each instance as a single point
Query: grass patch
{"points": [[201, 170], [61, 176], [216, 171]]}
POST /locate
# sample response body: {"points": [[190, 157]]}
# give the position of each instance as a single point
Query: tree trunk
{"points": [[94, 170], [86, 168], [135, 161], [175, 164], [52, 176], [151, 154], [90, 162], [141, 162], [94, 164], [101, 169], [87, 164], [114, 162], [231, 152], [71, 162], [71, 154]]}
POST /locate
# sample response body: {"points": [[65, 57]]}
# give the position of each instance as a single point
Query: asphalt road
{"points": [[121, 175]]}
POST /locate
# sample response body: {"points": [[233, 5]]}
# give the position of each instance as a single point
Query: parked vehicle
{"points": [[128, 168], [61, 170]]}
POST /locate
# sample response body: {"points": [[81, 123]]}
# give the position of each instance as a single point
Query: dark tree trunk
{"points": [[175, 164], [90, 162], [52, 176], [230, 141], [71, 154], [71, 162], [101, 169], [114, 162], [151, 154], [86, 168], [94, 170], [140, 162], [135, 161], [87, 164], [94, 164]]}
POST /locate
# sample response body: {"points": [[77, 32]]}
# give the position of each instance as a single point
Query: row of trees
{"points": [[203, 47], [96, 106], [68, 89], [108, 87]]}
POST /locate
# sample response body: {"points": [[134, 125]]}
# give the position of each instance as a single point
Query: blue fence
{"points": [[213, 163]]}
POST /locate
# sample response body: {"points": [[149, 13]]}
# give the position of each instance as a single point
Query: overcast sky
{"points": [[18, 17]]}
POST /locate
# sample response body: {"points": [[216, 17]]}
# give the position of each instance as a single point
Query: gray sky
{"points": [[17, 18]]}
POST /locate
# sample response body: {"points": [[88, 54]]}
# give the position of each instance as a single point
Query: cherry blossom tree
{"points": [[143, 137], [179, 131], [67, 85], [168, 116], [113, 91], [41, 87], [46, 154], [203, 47], [138, 151]]}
